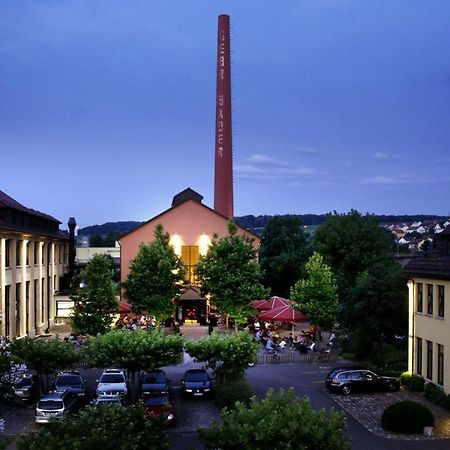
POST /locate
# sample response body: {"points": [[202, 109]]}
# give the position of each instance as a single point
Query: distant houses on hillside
{"points": [[417, 236]]}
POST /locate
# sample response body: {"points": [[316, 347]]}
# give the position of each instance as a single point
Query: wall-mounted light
{"points": [[176, 242], [203, 244]]}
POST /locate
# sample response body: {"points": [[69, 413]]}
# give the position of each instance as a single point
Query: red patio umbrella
{"points": [[124, 307], [256, 303], [273, 303], [283, 314]]}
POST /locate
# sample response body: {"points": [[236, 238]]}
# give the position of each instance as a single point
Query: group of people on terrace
{"points": [[144, 322]]}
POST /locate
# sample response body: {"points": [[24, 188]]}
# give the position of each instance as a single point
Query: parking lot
{"points": [[363, 411]]}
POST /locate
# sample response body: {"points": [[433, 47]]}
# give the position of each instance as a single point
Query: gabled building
{"points": [[429, 313], [191, 226], [34, 256]]}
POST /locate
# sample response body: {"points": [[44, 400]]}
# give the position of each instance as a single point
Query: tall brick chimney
{"points": [[72, 225], [223, 176]]}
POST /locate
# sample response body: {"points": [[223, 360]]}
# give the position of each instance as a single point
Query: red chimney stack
{"points": [[223, 177]]}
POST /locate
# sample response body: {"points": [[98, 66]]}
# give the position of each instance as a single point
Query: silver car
{"points": [[55, 406], [112, 383]]}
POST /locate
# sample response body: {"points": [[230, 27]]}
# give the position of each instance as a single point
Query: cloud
{"points": [[266, 160], [384, 180], [251, 169], [309, 150], [384, 156], [267, 167]]}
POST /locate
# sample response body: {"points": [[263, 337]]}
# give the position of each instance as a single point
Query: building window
{"points": [[18, 288], [419, 356], [441, 300], [42, 300], [18, 253], [190, 256], [440, 375], [27, 253], [27, 306], [7, 309], [36, 250], [7, 244], [429, 299], [429, 360], [419, 297]]}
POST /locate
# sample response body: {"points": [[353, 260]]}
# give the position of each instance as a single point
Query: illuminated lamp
{"points": [[203, 244], [176, 242]]}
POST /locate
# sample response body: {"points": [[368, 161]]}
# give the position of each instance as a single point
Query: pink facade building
{"points": [[191, 226]]}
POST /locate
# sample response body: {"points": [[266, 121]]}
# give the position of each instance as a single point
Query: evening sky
{"points": [[107, 107]]}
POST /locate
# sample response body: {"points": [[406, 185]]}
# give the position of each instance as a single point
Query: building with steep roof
{"points": [[34, 256], [191, 226], [429, 313]]}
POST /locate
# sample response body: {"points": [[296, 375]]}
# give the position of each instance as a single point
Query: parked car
{"points": [[27, 387], [347, 380], [155, 383], [55, 406], [161, 406], [70, 381], [196, 382], [112, 383]]}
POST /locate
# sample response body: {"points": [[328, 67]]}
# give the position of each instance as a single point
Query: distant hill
{"points": [[104, 229], [254, 223]]}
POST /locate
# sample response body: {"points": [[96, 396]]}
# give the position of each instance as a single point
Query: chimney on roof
{"points": [[71, 224], [223, 176]]}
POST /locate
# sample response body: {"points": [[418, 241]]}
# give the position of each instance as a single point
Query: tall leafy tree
{"points": [[376, 307], [44, 356], [134, 350], [155, 277], [316, 295], [370, 283], [94, 299], [285, 247], [350, 243], [280, 421], [235, 352], [230, 274]]}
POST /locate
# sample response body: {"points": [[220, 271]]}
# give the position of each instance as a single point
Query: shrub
{"points": [[417, 383], [407, 417], [405, 379], [228, 393], [435, 394]]}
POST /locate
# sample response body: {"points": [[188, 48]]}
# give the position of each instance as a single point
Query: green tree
{"points": [[350, 243], [370, 284], [95, 302], [316, 295], [155, 277], [108, 427], [96, 241], [284, 250], [44, 356], [110, 239], [235, 352], [376, 308], [280, 421], [134, 350], [230, 274]]}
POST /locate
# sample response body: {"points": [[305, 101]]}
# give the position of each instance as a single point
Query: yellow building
{"points": [[34, 255], [429, 313]]}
